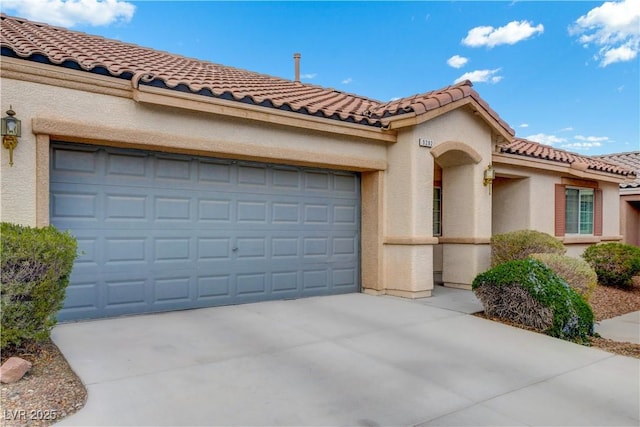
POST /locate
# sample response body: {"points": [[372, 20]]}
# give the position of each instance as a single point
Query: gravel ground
{"points": [[51, 390], [47, 393], [608, 302]]}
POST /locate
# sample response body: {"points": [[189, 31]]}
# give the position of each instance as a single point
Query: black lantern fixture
{"points": [[11, 131]]}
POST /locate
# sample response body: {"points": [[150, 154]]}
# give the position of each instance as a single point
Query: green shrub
{"points": [[614, 263], [575, 271], [520, 244], [36, 264], [530, 293]]}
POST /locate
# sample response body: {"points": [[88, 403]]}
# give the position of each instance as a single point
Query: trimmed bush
{"points": [[614, 263], [575, 271], [36, 264], [530, 293], [522, 243]]}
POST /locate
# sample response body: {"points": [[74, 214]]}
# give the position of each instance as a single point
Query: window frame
{"points": [[437, 233], [561, 202], [581, 192]]}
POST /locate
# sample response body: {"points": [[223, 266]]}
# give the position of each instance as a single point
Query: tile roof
{"points": [[629, 160], [59, 46], [528, 148]]}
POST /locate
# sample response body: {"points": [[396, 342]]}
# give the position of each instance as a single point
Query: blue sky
{"points": [[560, 73]]}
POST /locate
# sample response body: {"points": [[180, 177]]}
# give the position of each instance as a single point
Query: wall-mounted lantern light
{"points": [[489, 176], [11, 131]]}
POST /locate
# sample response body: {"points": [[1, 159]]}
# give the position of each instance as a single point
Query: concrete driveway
{"points": [[352, 360]]}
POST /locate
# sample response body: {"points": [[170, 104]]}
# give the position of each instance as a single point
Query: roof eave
{"points": [[190, 101], [577, 171], [413, 119]]}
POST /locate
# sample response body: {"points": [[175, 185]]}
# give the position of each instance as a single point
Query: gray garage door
{"points": [[164, 232]]}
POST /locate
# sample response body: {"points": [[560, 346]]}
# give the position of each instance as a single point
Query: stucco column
{"points": [[372, 232], [466, 224], [408, 210]]}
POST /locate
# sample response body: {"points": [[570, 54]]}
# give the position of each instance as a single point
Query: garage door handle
{"points": [[234, 249]]}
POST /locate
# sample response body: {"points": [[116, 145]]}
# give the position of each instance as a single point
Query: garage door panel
{"points": [[213, 248], [173, 172], [214, 172], [254, 175], [131, 292], [76, 205], [345, 183], [82, 294], [125, 207], [252, 211], [168, 208], [216, 210], [124, 168], [73, 162], [214, 286], [173, 289], [160, 231], [120, 251], [288, 179]]}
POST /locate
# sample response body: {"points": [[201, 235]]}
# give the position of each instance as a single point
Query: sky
{"points": [[560, 73]]}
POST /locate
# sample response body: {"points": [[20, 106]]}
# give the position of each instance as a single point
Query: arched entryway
{"points": [[463, 249]]}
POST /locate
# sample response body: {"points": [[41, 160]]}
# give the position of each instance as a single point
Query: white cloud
{"points": [[567, 129], [457, 61], [576, 143], [622, 53], [347, 81], [581, 146], [512, 33], [592, 139], [481, 76], [523, 125], [614, 27], [308, 76], [69, 13], [543, 138]]}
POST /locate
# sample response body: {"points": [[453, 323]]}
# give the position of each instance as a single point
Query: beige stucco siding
{"points": [[114, 120], [462, 147], [398, 251], [511, 202], [525, 199]]}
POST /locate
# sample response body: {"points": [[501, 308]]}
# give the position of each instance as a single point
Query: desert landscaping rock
{"points": [[13, 370]]}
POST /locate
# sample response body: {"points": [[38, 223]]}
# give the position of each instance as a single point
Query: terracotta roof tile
{"points": [[58, 46], [528, 148], [629, 160]]}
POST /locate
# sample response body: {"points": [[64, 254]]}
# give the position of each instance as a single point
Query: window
{"points": [[437, 211], [579, 210]]}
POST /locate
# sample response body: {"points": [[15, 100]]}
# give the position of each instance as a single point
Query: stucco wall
{"points": [[630, 217], [529, 203], [462, 147], [511, 207], [168, 129]]}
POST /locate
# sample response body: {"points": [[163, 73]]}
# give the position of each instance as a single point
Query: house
{"points": [[192, 184], [629, 196]]}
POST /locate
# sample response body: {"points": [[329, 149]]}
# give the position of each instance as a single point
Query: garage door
{"points": [[162, 232]]}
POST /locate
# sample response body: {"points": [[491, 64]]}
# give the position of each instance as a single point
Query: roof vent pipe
{"points": [[296, 59]]}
